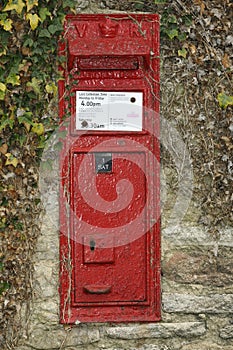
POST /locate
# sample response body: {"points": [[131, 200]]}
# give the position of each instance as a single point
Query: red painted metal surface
{"points": [[109, 209]]}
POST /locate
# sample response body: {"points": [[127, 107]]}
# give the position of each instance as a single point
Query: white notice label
{"points": [[102, 110]]}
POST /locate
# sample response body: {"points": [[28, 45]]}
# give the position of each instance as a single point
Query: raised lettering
{"points": [[136, 30], [81, 29]]}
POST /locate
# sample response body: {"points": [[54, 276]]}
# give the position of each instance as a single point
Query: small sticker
{"points": [[103, 162], [109, 111]]}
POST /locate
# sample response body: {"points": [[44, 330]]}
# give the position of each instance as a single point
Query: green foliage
{"points": [[172, 25], [3, 287], [30, 30], [139, 4], [183, 52], [159, 2], [224, 100]]}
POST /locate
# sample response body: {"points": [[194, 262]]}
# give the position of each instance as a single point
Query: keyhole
{"points": [[92, 244]]}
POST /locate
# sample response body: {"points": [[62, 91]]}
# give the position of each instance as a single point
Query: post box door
{"points": [[105, 271]]}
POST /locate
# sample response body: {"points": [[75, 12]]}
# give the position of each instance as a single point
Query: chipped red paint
{"points": [[107, 276]]}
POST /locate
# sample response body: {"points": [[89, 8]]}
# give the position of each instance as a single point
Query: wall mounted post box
{"points": [[109, 210]]}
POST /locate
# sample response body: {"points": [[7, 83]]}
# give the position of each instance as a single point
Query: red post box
{"points": [[109, 211]]}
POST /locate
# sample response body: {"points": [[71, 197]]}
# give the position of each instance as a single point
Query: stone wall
{"points": [[197, 293], [197, 299]]}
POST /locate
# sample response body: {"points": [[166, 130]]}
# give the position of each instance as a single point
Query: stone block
{"points": [[45, 283], [158, 330], [205, 346], [144, 347], [82, 4], [200, 267], [196, 235], [226, 332], [186, 303], [45, 312], [47, 339], [153, 347]]}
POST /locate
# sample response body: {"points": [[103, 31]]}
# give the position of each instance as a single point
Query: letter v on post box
{"points": [[109, 169]]}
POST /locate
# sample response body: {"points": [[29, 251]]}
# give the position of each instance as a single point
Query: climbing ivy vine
{"points": [[29, 33]]}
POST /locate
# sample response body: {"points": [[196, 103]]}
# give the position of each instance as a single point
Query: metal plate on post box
{"points": [[103, 162], [109, 207], [109, 111]]}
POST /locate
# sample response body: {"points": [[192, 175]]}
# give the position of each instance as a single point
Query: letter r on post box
{"points": [[109, 169]]}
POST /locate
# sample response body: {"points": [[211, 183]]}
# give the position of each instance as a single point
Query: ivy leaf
{"points": [[35, 85], [31, 4], [67, 3], [53, 28], [3, 287], [182, 36], [11, 160], [2, 91], [182, 52], [43, 13], [187, 20], [172, 33], [38, 128], [51, 89], [2, 87], [7, 24], [33, 19], [139, 5], [224, 100], [172, 19], [28, 42], [13, 79], [3, 53], [25, 118], [6, 122], [16, 5], [44, 33], [25, 121]]}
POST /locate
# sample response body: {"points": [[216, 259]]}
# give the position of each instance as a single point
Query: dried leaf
{"points": [[3, 148], [202, 8], [201, 4], [226, 139], [193, 49], [226, 61]]}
